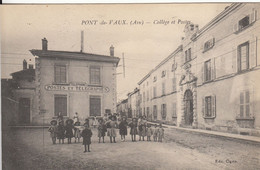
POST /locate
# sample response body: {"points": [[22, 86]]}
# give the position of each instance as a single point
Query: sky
{"points": [[145, 33]]}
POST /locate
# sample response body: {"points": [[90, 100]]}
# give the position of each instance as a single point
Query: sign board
{"points": [[76, 88]]}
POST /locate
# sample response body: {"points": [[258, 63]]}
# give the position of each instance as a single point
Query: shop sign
{"points": [[76, 88]]}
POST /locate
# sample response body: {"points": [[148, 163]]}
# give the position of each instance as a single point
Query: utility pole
{"points": [[82, 41], [123, 64]]}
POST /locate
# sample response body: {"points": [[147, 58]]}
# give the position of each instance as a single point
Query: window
{"points": [[148, 112], [209, 106], [144, 110], [155, 112], [60, 74], [174, 84], [95, 78], [174, 66], [243, 23], [60, 105], [163, 73], [147, 95], [209, 44], [208, 70], [154, 92], [174, 113], [244, 104], [188, 55], [243, 56], [163, 111], [163, 88], [95, 105], [154, 79], [143, 96]]}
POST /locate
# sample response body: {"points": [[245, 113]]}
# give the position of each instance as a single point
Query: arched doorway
{"points": [[188, 107]]}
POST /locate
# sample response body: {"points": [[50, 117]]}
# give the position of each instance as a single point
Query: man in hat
{"points": [[53, 131], [123, 128], [69, 127], [86, 134]]}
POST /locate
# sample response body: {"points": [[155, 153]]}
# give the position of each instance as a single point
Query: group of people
{"points": [[105, 126]]}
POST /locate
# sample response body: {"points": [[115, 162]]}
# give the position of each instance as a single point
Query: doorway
{"points": [[188, 110]]}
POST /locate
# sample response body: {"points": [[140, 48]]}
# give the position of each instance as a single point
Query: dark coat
{"points": [[123, 128], [69, 132], [102, 129], [86, 134], [133, 126], [60, 132]]}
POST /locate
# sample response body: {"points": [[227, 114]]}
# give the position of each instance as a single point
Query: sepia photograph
{"points": [[141, 86]]}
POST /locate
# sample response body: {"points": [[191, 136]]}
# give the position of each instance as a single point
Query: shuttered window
{"points": [[95, 77], [174, 113], [163, 111], [154, 92], [155, 112], [245, 104], [208, 70], [60, 74], [174, 84], [95, 105], [243, 56], [60, 105], [209, 106], [163, 88]]}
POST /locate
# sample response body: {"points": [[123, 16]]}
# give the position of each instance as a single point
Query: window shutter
{"points": [[213, 69], [213, 97], [235, 60], [252, 53], [202, 73], [253, 16], [203, 107], [251, 97], [235, 27]]}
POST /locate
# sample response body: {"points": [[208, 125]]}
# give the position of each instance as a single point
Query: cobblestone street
{"points": [[32, 149]]}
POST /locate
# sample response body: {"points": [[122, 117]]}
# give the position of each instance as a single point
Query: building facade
{"points": [[216, 70], [134, 103], [69, 82]]}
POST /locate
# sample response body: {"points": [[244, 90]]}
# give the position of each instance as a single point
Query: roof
{"points": [[160, 64], [24, 73], [75, 56]]}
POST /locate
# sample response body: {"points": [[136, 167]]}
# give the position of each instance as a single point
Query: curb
{"points": [[252, 139]]}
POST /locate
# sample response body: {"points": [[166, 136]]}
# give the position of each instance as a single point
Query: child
{"points": [[101, 130], [60, 132], [113, 125], [86, 134], [160, 133], [77, 131], [141, 129], [123, 128], [68, 128], [133, 131], [53, 131], [95, 122], [155, 133], [149, 132]]}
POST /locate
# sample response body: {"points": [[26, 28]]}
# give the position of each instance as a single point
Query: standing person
{"points": [[53, 131], [95, 122], [108, 126], [86, 122], [77, 134], [101, 130], [155, 133], [149, 132], [160, 133], [76, 117], [133, 130], [113, 125], [123, 128], [60, 118], [60, 132], [141, 129], [68, 128], [86, 134]]}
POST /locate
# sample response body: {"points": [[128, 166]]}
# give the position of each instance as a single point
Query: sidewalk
{"points": [[216, 133]]}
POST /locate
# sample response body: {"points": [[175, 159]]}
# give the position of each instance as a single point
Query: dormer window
{"points": [[209, 44], [245, 22], [163, 73]]}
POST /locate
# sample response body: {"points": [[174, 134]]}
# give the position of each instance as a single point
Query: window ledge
{"points": [[205, 50], [245, 118], [95, 85], [60, 83], [209, 117]]}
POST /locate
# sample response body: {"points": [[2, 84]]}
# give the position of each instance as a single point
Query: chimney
{"points": [[44, 44], [112, 51], [30, 66], [24, 64]]}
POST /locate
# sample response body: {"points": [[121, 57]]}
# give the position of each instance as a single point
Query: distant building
{"points": [[211, 80], [134, 103], [122, 108]]}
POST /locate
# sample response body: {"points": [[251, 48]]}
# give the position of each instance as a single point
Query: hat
{"points": [[53, 122], [134, 119], [86, 119], [77, 123], [86, 125], [69, 121]]}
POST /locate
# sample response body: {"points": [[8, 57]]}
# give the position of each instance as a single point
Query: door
{"points": [[188, 111], [24, 110]]}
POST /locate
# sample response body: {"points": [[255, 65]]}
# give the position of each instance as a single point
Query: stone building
{"points": [[134, 103], [69, 82], [216, 74]]}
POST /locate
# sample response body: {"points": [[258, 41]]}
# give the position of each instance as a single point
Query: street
{"points": [[33, 149]]}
